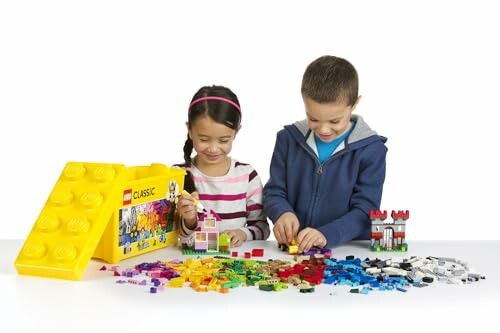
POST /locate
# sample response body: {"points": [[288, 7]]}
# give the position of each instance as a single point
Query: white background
{"points": [[110, 81]]}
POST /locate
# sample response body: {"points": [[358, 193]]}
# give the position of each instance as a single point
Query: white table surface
{"points": [[96, 303]]}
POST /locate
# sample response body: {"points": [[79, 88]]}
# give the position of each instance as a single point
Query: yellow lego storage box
{"points": [[105, 211]]}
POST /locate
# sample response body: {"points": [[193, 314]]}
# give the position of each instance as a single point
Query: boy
{"points": [[328, 170]]}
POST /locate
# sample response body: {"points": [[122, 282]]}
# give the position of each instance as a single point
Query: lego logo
{"points": [[127, 197]]}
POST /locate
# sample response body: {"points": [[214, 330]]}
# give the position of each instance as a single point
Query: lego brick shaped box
{"points": [[106, 211], [144, 219]]}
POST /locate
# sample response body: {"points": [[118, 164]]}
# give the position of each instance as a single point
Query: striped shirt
{"points": [[236, 197]]}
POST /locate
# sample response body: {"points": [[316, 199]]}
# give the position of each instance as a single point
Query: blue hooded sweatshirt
{"points": [[334, 197]]}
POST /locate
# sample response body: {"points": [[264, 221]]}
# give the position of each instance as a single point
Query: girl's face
{"points": [[211, 141]]}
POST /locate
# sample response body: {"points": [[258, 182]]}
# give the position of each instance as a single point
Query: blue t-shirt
{"points": [[325, 149]]}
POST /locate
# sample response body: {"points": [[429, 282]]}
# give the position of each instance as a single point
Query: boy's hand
{"points": [[285, 228], [187, 209], [237, 237], [310, 237]]}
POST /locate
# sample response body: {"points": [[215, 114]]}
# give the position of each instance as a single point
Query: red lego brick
{"points": [[400, 214], [377, 214], [258, 252]]}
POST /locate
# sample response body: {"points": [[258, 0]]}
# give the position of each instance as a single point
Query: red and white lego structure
{"points": [[389, 235]]}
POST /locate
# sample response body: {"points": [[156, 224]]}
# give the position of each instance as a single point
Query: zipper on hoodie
{"points": [[319, 172], [314, 198]]}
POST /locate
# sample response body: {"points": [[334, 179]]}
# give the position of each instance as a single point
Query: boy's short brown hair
{"points": [[330, 79]]}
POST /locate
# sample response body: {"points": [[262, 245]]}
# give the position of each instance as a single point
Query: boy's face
{"points": [[328, 121]]}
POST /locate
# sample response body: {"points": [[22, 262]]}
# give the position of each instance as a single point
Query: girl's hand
{"points": [[187, 209], [237, 237], [286, 227], [310, 237]]}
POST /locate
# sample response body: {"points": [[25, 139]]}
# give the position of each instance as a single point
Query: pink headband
{"points": [[216, 98]]}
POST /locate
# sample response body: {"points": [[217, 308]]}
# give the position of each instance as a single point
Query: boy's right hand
{"points": [[286, 228], [187, 209]]}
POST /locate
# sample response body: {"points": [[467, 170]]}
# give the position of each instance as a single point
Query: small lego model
{"points": [[207, 232], [207, 237], [292, 248], [388, 235]]}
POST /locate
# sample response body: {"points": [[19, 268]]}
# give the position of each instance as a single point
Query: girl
{"points": [[231, 188]]}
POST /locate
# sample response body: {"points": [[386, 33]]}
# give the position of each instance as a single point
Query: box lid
{"points": [[70, 225]]}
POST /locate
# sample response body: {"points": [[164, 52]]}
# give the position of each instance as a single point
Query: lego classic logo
{"points": [[127, 197], [144, 193]]}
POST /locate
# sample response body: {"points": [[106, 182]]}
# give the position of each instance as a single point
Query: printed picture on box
{"points": [[148, 223]]}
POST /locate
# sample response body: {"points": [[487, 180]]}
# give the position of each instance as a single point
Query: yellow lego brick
{"points": [[70, 225], [177, 282]]}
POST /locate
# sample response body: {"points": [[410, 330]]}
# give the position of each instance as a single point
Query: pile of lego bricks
{"points": [[363, 276]]}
